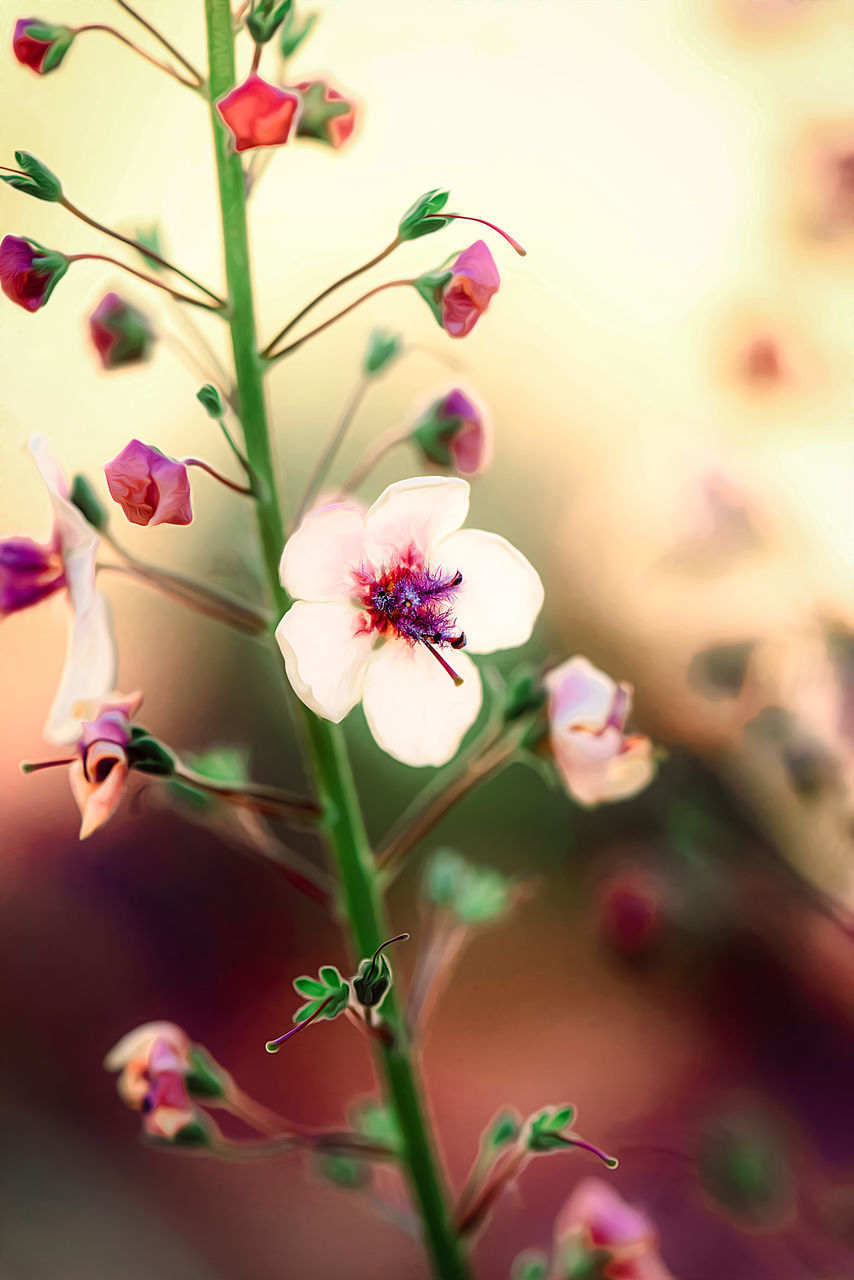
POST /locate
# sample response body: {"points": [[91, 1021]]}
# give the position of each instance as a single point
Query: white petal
{"points": [[595, 781], [325, 656], [137, 1043], [418, 511], [89, 674], [581, 696], [319, 557], [413, 708], [75, 533], [501, 593]]}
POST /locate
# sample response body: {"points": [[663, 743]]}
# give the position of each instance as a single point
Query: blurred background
{"points": [[669, 377]]}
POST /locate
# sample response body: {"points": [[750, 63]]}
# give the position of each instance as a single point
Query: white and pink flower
{"points": [[153, 1062], [386, 602], [587, 712]]}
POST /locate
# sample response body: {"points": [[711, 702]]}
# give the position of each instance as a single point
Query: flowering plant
{"points": [[379, 603]]}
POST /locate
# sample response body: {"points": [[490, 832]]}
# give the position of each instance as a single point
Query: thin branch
{"points": [[143, 53], [218, 308], [351, 275], [252, 795], [326, 459], [372, 456], [140, 248], [158, 35], [272, 356], [246, 489]]}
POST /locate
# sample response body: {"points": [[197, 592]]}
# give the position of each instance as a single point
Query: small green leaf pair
{"points": [[545, 1132], [36, 180], [328, 986], [475, 895], [423, 217]]}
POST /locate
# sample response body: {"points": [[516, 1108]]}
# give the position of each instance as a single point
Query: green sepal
{"points": [[372, 981], [503, 1129], [430, 286], [743, 1166], [83, 497], [578, 1262], [148, 755], [206, 1078], [420, 218], [374, 1121], [317, 111], [476, 895], [36, 180], [265, 19], [524, 692], [221, 764], [60, 38], [194, 1134], [383, 348], [149, 238], [211, 401], [51, 262], [330, 984], [294, 32], [532, 1264], [344, 1171], [545, 1131]]}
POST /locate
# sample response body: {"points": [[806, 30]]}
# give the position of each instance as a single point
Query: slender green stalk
{"points": [[337, 790]]}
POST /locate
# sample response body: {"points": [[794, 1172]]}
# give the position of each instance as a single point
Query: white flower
{"points": [[387, 599], [89, 674], [595, 758]]}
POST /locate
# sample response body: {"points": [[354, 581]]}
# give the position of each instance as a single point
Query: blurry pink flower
{"points": [[99, 775], [454, 432], [587, 713], [149, 487], [29, 572], [381, 596], [327, 116], [154, 1061], [467, 294], [29, 272], [90, 665], [597, 1218], [120, 332], [258, 114], [41, 46], [630, 911]]}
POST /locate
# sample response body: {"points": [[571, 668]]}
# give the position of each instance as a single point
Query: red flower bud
{"points": [[327, 116], [149, 487], [28, 272], [121, 332], [258, 114], [40, 45]]}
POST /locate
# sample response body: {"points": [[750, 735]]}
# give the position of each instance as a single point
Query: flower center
{"points": [[416, 603]]}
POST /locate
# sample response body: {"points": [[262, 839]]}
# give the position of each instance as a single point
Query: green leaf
{"points": [[36, 180], [383, 348], [420, 218], [430, 287], [530, 1265], [476, 895], [329, 976], [306, 986], [524, 692], [206, 1078], [503, 1129], [148, 755], [211, 401], [545, 1131], [306, 1011], [332, 985], [149, 238], [83, 498], [266, 18], [374, 1121], [294, 32]]}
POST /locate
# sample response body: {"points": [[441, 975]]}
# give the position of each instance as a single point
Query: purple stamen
{"points": [[611, 1161]]}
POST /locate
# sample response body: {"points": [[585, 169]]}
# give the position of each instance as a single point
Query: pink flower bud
{"points": [[466, 295], [327, 115], [154, 1061], [149, 487], [28, 272], [596, 1220], [28, 573], [40, 45], [121, 333], [595, 758], [258, 114], [455, 433]]}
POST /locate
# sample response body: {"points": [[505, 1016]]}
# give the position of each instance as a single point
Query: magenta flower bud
{"points": [[29, 272], [40, 45], [28, 573], [459, 294], [121, 332], [327, 116], [455, 433], [258, 114], [149, 487]]}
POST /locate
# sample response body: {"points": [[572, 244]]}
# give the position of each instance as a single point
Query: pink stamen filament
{"points": [[273, 1046], [458, 680], [465, 217]]}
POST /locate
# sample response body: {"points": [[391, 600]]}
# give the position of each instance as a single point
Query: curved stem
{"points": [[217, 475], [345, 827], [149, 57], [438, 799], [141, 275], [159, 36], [271, 356], [140, 248], [372, 456], [251, 795], [466, 217], [328, 456], [351, 275]]}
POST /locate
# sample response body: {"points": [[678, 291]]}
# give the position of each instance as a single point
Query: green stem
{"points": [[337, 790]]}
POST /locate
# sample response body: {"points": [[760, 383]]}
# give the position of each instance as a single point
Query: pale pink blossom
{"points": [[153, 1062], [385, 603], [587, 714], [99, 774], [89, 673]]}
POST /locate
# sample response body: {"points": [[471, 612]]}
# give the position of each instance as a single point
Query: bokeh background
{"points": [[669, 375]]}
